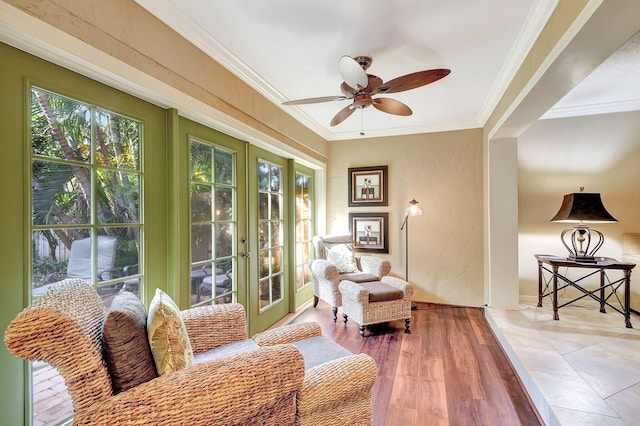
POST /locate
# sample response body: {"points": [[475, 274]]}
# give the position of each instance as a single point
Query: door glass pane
{"points": [[270, 228], [276, 288], [265, 263], [201, 160], [224, 239], [224, 203], [60, 127], [200, 203], [263, 237], [276, 203], [276, 231], [265, 299], [118, 195], [263, 176], [224, 167], [213, 224], [201, 243], [276, 184], [60, 193], [263, 206], [118, 141]]}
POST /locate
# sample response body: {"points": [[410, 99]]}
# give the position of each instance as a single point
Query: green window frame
{"points": [[86, 183]]}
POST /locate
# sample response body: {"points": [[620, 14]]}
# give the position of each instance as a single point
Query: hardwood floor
{"points": [[448, 370]]}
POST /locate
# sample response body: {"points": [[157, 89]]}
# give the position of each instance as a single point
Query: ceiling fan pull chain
{"points": [[362, 122]]}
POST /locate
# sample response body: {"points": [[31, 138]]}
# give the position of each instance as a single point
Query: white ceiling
{"points": [[289, 49]]}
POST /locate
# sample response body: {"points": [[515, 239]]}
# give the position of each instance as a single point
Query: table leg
{"points": [[602, 277], [555, 293], [627, 298], [539, 284]]}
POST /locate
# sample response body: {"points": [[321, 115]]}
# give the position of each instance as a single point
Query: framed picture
{"points": [[368, 186], [369, 231]]}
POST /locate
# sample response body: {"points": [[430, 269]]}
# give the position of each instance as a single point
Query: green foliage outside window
{"points": [[86, 179]]}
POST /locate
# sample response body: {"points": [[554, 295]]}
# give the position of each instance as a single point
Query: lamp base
{"points": [[583, 259]]}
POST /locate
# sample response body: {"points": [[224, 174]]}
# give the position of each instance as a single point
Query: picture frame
{"points": [[369, 232], [368, 186]]}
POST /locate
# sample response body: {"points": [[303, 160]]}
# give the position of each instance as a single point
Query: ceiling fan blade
{"points": [[342, 115], [352, 73], [412, 81], [391, 106], [347, 90], [315, 100]]}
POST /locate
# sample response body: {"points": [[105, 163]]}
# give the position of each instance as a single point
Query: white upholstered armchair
{"points": [[335, 262]]}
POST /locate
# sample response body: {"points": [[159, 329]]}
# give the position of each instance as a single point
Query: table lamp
{"points": [[583, 208]]}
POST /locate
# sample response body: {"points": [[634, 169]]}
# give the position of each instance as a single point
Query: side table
{"points": [[603, 294]]}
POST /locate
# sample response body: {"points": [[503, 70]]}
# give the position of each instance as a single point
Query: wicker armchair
{"points": [[326, 276], [259, 386]]}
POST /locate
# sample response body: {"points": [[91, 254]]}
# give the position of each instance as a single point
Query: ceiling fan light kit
{"points": [[361, 87]]}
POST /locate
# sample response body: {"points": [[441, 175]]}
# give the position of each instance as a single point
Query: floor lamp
{"points": [[412, 210]]}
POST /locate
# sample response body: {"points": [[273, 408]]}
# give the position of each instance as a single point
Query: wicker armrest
{"points": [[215, 325], [353, 291], [398, 283], [324, 270], [337, 381], [288, 334], [375, 265], [230, 390]]}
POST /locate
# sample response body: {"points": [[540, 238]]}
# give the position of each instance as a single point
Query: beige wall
{"points": [[557, 157], [443, 171]]}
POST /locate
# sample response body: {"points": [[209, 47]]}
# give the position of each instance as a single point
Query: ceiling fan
{"points": [[361, 87]]}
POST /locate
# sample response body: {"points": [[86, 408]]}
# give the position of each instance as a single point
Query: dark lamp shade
{"points": [[583, 207]]}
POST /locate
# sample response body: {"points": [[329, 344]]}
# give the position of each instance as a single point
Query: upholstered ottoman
{"points": [[374, 302]]}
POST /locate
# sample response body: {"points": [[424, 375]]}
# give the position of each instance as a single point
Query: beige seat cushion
{"points": [[380, 292], [319, 349], [315, 350], [243, 345]]}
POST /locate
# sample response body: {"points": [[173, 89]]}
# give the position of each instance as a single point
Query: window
{"points": [[86, 177], [304, 229]]}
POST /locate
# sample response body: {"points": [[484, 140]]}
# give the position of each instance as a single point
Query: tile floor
{"points": [[582, 369]]}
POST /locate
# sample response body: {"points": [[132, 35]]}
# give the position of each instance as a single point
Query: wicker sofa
{"points": [[258, 381], [326, 273]]}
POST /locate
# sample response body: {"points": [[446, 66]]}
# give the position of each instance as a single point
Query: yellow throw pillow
{"points": [[168, 336]]}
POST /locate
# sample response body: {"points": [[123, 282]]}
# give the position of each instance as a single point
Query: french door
{"points": [[217, 219], [268, 196], [239, 221]]}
